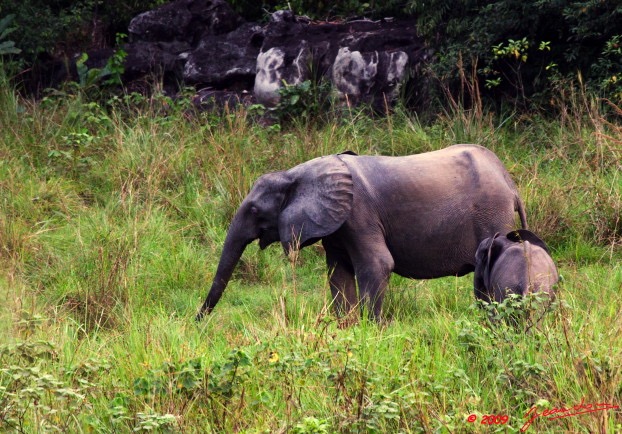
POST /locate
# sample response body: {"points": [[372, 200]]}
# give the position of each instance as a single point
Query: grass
{"points": [[112, 217]]}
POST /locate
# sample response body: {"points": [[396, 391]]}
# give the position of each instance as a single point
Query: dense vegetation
{"points": [[112, 217]]}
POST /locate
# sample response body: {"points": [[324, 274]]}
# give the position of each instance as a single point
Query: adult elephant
{"points": [[420, 216]]}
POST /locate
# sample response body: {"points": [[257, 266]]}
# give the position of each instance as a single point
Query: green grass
{"points": [[111, 223]]}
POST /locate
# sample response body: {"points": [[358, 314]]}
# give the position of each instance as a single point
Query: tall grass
{"points": [[112, 218]]}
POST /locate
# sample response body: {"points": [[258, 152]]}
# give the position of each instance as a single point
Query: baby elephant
{"points": [[517, 263]]}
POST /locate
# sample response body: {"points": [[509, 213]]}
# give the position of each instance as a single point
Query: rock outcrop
{"points": [[204, 43]]}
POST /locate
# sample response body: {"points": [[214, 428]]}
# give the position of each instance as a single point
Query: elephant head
{"points": [[519, 261], [296, 207]]}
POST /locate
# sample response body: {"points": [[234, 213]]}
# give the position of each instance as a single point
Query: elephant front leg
{"points": [[342, 283], [372, 274], [343, 289]]}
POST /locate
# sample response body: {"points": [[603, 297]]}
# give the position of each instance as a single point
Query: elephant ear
{"points": [[481, 262], [522, 235], [494, 249], [318, 203]]}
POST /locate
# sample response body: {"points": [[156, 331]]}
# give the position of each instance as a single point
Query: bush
{"points": [[64, 27], [519, 47]]}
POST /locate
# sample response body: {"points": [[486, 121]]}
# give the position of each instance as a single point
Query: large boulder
{"points": [[184, 20], [160, 58], [277, 67], [372, 77], [225, 61], [366, 61], [163, 40], [206, 44]]}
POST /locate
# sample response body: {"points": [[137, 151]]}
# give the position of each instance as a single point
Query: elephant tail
{"points": [[520, 208]]}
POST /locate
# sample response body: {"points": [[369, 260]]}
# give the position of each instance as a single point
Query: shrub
{"points": [[543, 39]]}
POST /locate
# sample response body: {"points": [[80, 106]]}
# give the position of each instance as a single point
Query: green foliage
{"points": [[311, 425], [45, 27], [32, 397], [161, 423], [115, 68], [515, 49], [7, 46], [75, 156], [96, 80], [608, 68], [477, 34], [66, 27], [305, 102]]}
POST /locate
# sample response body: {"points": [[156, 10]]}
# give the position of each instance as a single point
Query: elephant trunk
{"points": [[234, 246]]}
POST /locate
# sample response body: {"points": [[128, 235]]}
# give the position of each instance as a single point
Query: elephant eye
{"points": [[254, 210]]}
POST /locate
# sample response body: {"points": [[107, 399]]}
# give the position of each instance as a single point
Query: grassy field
{"points": [[112, 217]]}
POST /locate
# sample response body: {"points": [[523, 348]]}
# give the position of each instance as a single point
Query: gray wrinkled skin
{"points": [[420, 216], [517, 263]]}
